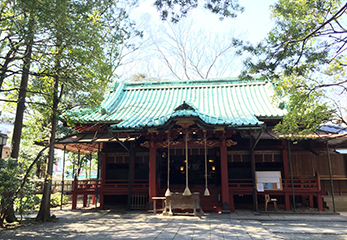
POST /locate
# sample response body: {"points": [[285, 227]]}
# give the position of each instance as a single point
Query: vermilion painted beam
{"points": [[181, 144]]}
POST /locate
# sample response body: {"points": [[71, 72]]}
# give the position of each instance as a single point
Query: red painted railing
{"points": [[236, 186], [245, 186], [110, 186]]}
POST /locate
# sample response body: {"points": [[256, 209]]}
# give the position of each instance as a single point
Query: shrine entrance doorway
{"points": [[196, 168]]}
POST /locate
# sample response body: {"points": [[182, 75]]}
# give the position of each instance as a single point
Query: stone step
{"points": [[340, 203]]}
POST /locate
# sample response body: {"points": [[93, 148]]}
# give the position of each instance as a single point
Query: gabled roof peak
{"points": [[185, 106]]}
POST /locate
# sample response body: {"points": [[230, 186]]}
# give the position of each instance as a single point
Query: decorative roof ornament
{"points": [[184, 106], [103, 111]]}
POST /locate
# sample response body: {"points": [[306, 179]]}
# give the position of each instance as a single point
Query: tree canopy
{"points": [[304, 56], [59, 55], [176, 9]]}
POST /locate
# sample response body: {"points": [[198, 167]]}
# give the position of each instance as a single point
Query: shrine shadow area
{"points": [[242, 224]]}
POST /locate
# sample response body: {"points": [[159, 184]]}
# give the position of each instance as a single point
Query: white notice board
{"points": [[268, 180]]}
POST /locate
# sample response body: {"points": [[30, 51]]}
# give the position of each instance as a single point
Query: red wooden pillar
{"points": [[74, 194], [103, 168], [285, 160], [319, 196], [152, 179], [310, 199], [93, 199], [101, 201], [286, 174], [287, 201], [133, 165], [103, 179], [224, 178], [85, 200]]}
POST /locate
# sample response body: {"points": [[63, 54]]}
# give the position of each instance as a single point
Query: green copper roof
{"points": [[227, 102]]}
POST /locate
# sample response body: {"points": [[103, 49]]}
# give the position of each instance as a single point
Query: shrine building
{"points": [[209, 137]]}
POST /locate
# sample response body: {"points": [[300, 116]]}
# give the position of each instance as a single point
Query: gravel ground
{"points": [[89, 224]]}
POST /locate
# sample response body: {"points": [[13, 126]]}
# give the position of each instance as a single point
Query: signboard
{"points": [[268, 180]]}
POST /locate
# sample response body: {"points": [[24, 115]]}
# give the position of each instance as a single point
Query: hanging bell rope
{"points": [[207, 192], [186, 190], [168, 192]]}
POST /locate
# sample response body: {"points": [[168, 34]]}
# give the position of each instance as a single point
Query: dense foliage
{"points": [[304, 56], [56, 55]]}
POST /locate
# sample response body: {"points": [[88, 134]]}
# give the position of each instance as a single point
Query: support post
{"points": [[310, 199], [130, 175], [93, 200], [253, 144], [62, 180], [224, 178], [101, 201], [287, 201], [97, 179], [85, 200], [319, 196], [331, 178], [103, 178], [254, 185], [74, 194], [291, 174], [285, 160], [286, 174], [152, 173]]}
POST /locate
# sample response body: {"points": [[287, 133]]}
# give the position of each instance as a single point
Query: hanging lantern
{"points": [[207, 192], [186, 190], [168, 192]]}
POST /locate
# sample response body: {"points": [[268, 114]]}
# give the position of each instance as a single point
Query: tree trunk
{"points": [[8, 60], [45, 208], [7, 208], [18, 123], [17, 128]]}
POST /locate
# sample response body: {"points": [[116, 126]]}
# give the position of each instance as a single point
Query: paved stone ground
{"points": [[81, 225]]}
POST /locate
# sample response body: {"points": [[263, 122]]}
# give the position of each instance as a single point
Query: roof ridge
{"points": [[217, 81]]}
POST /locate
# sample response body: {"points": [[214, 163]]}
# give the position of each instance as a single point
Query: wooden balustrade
{"points": [[245, 186], [87, 186]]}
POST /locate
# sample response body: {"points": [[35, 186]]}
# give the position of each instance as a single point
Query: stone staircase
{"points": [[340, 202]]}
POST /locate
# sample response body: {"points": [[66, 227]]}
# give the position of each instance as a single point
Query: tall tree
{"points": [[73, 51], [304, 55], [18, 123], [78, 70], [26, 34]]}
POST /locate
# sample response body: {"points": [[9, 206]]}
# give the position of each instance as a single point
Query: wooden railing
{"points": [[245, 186], [241, 186], [112, 186], [302, 185]]}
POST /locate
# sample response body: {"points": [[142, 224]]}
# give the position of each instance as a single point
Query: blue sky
{"points": [[251, 25], [254, 21]]}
